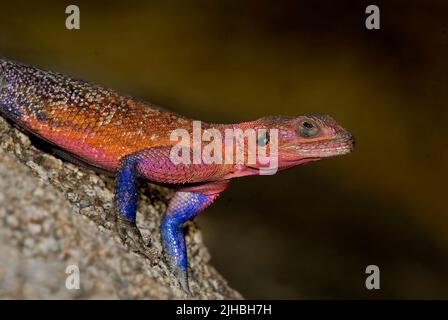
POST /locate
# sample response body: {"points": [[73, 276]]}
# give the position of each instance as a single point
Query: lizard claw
{"points": [[183, 282], [180, 274], [131, 236]]}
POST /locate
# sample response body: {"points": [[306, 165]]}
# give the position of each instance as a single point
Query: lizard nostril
{"points": [[348, 137]]}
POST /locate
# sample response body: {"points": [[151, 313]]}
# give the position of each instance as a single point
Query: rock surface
{"points": [[54, 214]]}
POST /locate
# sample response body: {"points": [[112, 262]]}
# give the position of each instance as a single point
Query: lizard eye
{"points": [[263, 138], [308, 129]]}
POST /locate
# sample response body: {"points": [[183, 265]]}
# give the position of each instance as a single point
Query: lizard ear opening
{"points": [[262, 138]]}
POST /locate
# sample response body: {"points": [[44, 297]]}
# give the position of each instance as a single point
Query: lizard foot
{"points": [[131, 236], [180, 273]]}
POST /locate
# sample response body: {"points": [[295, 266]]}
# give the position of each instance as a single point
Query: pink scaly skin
{"points": [[130, 139]]}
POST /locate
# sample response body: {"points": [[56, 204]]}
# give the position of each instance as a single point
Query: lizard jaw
{"points": [[325, 148]]}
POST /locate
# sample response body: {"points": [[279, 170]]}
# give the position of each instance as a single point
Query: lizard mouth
{"points": [[325, 148]]}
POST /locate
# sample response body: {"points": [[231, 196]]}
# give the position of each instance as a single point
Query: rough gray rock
{"points": [[54, 214]]}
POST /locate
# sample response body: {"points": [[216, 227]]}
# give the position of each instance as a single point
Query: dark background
{"points": [[311, 231]]}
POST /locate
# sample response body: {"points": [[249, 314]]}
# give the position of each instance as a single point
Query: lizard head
{"points": [[300, 139]]}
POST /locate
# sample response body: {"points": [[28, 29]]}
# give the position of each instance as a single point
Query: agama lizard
{"points": [[130, 139]]}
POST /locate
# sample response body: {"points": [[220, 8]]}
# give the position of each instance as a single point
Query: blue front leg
{"points": [[126, 205], [184, 206], [126, 189]]}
